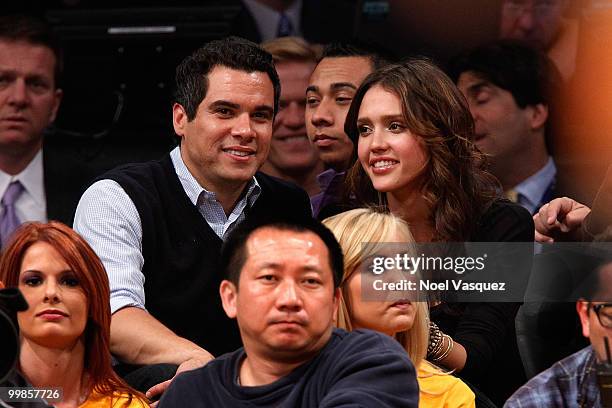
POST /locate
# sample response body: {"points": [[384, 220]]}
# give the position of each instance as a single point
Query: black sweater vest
{"points": [[181, 251]]}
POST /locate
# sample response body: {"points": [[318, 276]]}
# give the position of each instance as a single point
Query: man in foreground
{"points": [[282, 287]]}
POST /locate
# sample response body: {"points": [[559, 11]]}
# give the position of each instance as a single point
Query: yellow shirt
{"points": [[443, 390], [96, 400]]}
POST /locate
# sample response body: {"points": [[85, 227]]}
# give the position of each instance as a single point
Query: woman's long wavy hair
{"points": [[455, 185], [356, 227], [93, 280]]}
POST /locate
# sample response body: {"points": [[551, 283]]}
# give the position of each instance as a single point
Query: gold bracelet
{"points": [[449, 348]]}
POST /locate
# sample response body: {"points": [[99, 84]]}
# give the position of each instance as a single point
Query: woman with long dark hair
{"points": [[414, 136], [65, 332]]}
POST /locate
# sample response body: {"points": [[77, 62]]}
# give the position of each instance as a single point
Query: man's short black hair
{"points": [[378, 56], [231, 52], [32, 30], [234, 252], [596, 279], [529, 75]]}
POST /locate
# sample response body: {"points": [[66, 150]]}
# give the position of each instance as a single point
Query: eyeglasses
{"points": [[604, 314]]}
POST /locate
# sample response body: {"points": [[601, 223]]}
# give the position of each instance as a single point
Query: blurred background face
{"points": [[332, 87], [285, 302], [536, 22], [290, 150], [57, 315]]}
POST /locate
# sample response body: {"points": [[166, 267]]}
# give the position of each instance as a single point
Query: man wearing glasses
{"points": [[573, 380]]}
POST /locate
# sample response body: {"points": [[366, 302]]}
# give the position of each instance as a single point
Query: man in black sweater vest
{"points": [[282, 286], [158, 226]]}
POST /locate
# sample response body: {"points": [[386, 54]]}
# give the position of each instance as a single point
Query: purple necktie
{"points": [[9, 221], [285, 28]]}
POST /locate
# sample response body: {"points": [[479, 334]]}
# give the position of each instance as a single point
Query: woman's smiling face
{"points": [[391, 155]]}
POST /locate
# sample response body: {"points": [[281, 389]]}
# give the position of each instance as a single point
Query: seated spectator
{"points": [[510, 89], [65, 332], [406, 321], [282, 287], [573, 380], [38, 182], [414, 135], [159, 226], [292, 157], [330, 91]]}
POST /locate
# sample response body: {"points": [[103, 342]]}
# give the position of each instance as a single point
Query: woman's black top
{"points": [[486, 329]]}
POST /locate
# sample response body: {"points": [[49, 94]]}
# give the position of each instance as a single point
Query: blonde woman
{"points": [[407, 321]]}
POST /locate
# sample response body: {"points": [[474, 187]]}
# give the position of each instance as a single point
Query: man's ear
{"points": [[179, 119], [229, 294], [538, 116], [336, 303], [57, 100], [582, 307]]}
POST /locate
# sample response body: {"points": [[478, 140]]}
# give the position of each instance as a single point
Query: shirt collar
{"points": [[32, 179], [193, 189], [327, 177], [533, 188], [267, 19]]}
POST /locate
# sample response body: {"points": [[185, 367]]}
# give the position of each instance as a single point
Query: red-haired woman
{"points": [[66, 330]]}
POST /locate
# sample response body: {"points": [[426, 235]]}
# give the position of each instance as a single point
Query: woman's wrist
{"points": [[440, 344]]}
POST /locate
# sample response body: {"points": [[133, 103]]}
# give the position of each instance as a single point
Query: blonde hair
{"points": [[372, 226], [292, 48]]}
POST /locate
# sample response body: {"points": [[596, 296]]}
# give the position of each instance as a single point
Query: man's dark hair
{"points": [[529, 75], [231, 52], [595, 275], [377, 55], [32, 30], [234, 253]]}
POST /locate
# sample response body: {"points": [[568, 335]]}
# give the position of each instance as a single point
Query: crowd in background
{"points": [[206, 269]]}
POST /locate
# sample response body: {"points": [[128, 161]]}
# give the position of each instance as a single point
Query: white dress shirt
{"points": [[532, 190], [108, 219], [31, 204]]}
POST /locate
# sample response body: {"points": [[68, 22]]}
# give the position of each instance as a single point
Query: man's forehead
{"points": [[228, 86], [280, 242], [471, 82], [41, 54], [225, 73], [332, 70], [470, 79]]}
